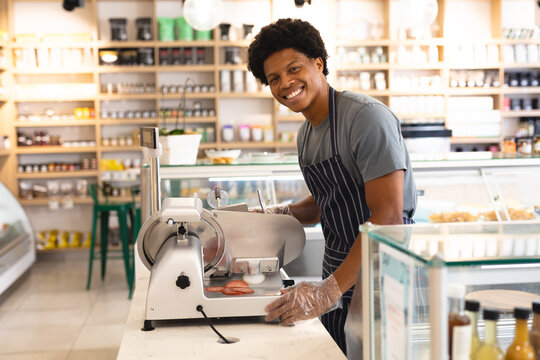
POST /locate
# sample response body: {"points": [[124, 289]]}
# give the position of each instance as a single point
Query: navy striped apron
{"points": [[343, 208]]}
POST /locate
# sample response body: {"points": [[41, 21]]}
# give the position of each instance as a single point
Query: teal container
{"points": [[165, 29], [184, 31], [203, 35]]}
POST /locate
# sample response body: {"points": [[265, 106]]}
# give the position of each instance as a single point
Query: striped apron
{"points": [[343, 208]]}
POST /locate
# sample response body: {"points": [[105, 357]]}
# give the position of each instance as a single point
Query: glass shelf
{"points": [[463, 244]]}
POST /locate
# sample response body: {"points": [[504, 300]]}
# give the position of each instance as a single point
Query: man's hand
{"points": [[304, 301]]}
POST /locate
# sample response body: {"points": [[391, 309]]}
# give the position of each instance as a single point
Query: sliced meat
{"points": [[215, 288], [237, 284], [237, 291]]}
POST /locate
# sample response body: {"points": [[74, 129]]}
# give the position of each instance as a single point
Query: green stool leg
{"points": [[92, 247], [124, 235], [104, 241]]}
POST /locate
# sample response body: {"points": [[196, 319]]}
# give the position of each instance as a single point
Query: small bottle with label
{"points": [[471, 309], [534, 334], [459, 324], [521, 349], [490, 350]]}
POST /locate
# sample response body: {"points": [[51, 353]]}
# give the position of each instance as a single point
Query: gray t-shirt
{"points": [[369, 142]]}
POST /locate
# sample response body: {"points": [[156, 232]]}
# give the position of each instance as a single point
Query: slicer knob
{"points": [[183, 281]]}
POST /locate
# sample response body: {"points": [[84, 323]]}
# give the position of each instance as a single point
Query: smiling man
{"points": [[353, 159]]}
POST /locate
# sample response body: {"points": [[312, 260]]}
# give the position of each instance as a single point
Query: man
{"points": [[353, 159]]}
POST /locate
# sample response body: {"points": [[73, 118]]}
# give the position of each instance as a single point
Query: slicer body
{"points": [[188, 249]]}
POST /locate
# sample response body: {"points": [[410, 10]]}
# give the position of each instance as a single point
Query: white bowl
{"points": [[214, 154]]}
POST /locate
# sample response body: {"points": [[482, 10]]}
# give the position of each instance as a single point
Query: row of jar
{"points": [[84, 164], [79, 113], [238, 81], [31, 190], [182, 56], [521, 104], [362, 80], [521, 147], [361, 55], [54, 239], [44, 58], [115, 164], [474, 78]]}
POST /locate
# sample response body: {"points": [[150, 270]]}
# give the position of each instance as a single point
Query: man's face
{"points": [[294, 79]]}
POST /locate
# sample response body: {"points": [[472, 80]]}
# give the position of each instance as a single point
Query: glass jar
{"points": [[243, 132], [227, 133], [536, 149], [509, 147], [268, 133], [524, 147], [257, 133]]}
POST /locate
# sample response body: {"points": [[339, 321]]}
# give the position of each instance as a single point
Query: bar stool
{"points": [[123, 210]]}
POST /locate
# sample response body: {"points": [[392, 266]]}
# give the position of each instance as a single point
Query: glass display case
{"points": [[17, 247], [401, 292]]}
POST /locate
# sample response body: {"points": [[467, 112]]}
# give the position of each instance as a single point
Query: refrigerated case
{"points": [[400, 305], [474, 190], [17, 243]]}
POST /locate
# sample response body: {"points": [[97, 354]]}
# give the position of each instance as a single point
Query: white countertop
{"points": [[196, 340]]}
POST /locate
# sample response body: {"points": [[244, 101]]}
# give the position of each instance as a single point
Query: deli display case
{"points": [[17, 241], [448, 191], [400, 306]]}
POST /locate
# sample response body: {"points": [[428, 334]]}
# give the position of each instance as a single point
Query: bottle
{"points": [[459, 324], [534, 335], [521, 349], [471, 309], [489, 350]]}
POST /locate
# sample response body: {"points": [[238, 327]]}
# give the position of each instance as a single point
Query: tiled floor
{"points": [[50, 315]]}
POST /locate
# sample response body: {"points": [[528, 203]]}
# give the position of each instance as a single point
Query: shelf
{"points": [[19, 124], [45, 201], [63, 174], [56, 99], [474, 91], [137, 44], [120, 148], [239, 43], [61, 71], [473, 66], [4, 153], [246, 145], [64, 44], [290, 118], [519, 41], [125, 69], [521, 65], [419, 42], [472, 140], [362, 67], [521, 90], [245, 95], [286, 145], [190, 120], [367, 42], [421, 115], [232, 67], [194, 68], [54, 149], [3, 99], [127, 121], [412, 66], [126, 97], [3, 68], [521, 113], [192, 95], [419, 92]]}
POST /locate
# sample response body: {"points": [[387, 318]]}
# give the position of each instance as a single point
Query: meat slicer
{"points": [[188, 249]]}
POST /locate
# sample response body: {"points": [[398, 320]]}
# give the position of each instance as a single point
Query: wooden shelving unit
{"points": [[159, 74]]}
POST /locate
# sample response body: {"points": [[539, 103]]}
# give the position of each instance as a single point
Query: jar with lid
{"points": [[536, 146], [257, 132], [227, 133], [524, 147], [509, 147], [268, 133], [244, 132]]}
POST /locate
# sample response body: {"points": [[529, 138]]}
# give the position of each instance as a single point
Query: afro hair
{"points": [[285, 34]]}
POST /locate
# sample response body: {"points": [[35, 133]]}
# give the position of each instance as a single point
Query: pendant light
{"points": [[203, 15]]}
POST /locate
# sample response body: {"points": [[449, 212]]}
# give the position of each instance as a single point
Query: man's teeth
{"points": [[293, 94]]}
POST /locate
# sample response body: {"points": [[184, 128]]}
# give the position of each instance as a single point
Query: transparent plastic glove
{"points": [[304, 301], [275, 209]]}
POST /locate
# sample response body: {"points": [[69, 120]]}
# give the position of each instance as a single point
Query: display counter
{"points": [[194, 339], [402, 306], [17, 244]]}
